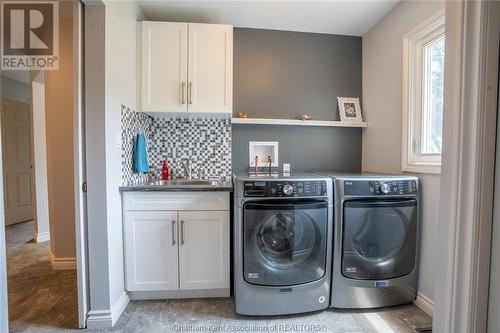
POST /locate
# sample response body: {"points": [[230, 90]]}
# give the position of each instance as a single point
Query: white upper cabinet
{"points": [[187, 67], [164, 66], [210, 68]]}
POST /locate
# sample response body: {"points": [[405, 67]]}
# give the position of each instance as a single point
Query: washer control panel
{"points": [[380, 187], [295, 189]]}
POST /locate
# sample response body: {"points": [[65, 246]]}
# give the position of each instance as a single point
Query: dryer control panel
{"points": [[380, 187], [295, 189]]}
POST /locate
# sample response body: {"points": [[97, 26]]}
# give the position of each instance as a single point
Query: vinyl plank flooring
{"points": [[40, 299]]}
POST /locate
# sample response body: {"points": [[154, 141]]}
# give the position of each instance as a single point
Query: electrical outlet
{"points": [[286, 167]]}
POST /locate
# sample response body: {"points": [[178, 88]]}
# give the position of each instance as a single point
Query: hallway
{"points": [[40, 299]]}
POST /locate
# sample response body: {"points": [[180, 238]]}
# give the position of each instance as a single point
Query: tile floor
{"points": [[42, 300], [217, 315]]}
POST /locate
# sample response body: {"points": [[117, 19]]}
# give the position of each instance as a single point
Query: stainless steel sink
{"points": [[185, 182]]}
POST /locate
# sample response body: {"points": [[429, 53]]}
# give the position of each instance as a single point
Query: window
{"points": [[423, 96]]}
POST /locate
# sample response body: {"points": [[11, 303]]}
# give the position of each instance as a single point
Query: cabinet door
{"points": [[210, 68], [151, 251], [204, 249], [164, 67]]}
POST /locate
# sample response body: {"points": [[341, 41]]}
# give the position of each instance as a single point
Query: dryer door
{"points": [[379, 238], [284, 242]]}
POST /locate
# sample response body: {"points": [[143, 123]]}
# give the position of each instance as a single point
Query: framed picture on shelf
{"points": [[350, 109]]}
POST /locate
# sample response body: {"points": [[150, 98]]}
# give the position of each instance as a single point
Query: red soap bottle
{"points": [[164, 170]]}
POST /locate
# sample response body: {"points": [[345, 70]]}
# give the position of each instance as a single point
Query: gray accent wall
{"points": [[283, 74], [306, 148]]}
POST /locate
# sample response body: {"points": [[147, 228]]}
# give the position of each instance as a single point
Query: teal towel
{"points": [[140, 155]]}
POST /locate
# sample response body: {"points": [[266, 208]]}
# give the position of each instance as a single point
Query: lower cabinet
{"points": [[151, 252], [176, 251], [204, 250]]}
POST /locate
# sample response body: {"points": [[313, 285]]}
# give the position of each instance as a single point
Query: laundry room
{"points": [[256, 166]]}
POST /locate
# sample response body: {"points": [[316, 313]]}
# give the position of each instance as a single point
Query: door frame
{"points": [[4, 311], [80, 168], [469, 142], [80, 207]]}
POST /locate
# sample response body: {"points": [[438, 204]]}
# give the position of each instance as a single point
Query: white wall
{"points": [[15, 90], [382, 108], [121, 88], [41, 232]]}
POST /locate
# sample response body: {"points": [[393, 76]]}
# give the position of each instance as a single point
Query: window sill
{"points": [[422, 168]]}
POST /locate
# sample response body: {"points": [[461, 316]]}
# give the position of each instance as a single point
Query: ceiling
{"points": [[355, 17]]}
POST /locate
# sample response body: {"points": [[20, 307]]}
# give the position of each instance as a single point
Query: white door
{"points": [[151, 252], [204, 249], [164, 67], [17, 158], [210, 68]]}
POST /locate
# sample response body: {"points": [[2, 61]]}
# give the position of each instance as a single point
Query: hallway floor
{"points": [[40, 299]]}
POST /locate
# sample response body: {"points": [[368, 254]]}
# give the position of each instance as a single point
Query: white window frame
{"points": [[413, 47]]}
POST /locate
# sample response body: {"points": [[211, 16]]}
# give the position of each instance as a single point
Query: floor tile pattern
{"points": [[42, 300]]}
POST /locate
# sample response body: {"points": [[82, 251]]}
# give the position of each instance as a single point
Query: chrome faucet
{"points": [[187, 168]]}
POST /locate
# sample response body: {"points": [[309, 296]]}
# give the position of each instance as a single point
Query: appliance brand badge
{"points": [[30, 35], [253, 275], [381, 284], [286, 290]]}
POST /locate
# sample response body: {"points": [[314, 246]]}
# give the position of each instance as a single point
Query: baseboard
{"points": [[424, 303], [40, 237], [175, 294], [107, 318], [62, 263]]}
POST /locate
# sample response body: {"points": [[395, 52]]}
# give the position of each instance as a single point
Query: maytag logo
{"points": [[30, 35]]}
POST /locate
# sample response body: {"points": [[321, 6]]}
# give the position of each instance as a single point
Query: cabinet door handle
{"points": [[183, 85], [190, 95], [173, 232], [182, 232]]}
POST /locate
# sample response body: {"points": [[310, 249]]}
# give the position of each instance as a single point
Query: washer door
{"points": [[379, 238], [284, 242]]}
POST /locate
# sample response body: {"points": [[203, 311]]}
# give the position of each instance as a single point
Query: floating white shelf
{"points": [[296, 122]]}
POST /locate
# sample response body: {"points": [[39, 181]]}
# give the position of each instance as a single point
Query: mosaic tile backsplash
{"points": [[133, 123], [206, 142]]}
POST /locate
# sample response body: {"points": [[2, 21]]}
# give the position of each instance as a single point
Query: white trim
{"points": [[79, 168], [296, 122], [4, 306], [424, 303], [108, 318], [62, 263], [466, 201], [411, 117], [179, 294], [40, 237]]}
